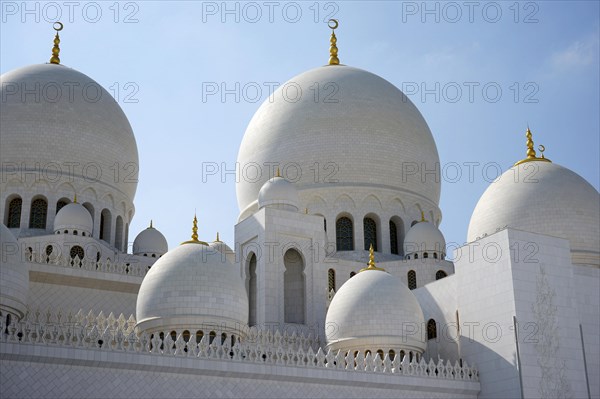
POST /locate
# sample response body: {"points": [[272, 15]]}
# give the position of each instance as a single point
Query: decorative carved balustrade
{"points": [[118, 334]]}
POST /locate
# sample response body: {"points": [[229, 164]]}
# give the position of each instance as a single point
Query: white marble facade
{"points": [[281, 313]]}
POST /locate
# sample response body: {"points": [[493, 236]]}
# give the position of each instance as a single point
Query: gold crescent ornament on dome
{"points": [[333, 50], [58, 26]]}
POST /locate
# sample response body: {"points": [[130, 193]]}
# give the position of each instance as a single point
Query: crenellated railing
{"points": [[118, 334], [106, 266]]}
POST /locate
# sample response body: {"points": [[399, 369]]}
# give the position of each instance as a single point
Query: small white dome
{"points": [[278, 193], [544, 198], [192, 287], [425, 237], [223, 249], [150, 242], [374, 310], [14, 275], [73, 217]]}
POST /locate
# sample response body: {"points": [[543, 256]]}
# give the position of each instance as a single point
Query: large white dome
{"points": [[374, 310], [545, 198], [14, 275], [192, 286], [61, 119], [354, 127]]}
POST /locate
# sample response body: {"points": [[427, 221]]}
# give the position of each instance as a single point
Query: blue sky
{"points": [[158, 58]]}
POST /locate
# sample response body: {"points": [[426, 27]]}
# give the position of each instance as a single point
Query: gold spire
{"points": [[194, 239], [151, 224], [217, 240], [56, 50], [277, 173], [531, 155], [75, 199], [333, 50], [423, 217], [371, 264]]}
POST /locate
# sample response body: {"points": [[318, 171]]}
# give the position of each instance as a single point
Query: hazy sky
{"points": [[479, 72]]}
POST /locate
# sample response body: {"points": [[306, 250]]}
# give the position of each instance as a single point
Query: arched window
{"points": [[331, 280], [293, 287], [13, 219], [440, 274], [48, 253], [324, 224], [211, 337], [126, 243], [370, 230], [431, 329], [252, 291], [76, 251], [392, 354], [199, 335], [119, 233], [60, 204], [344, 234], [412, 279], [37, 216], [105, 224], [425, 255], [380, 353], [393, 238], [435, 255]]}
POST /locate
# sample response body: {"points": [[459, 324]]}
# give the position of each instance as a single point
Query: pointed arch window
{"points": [[37, 216], [393, 238], [293, 287], [344, 234], [331, 279], [13, 220], [440, 274], [412, 279], [431, 329], [370, 230], [252, 291]]}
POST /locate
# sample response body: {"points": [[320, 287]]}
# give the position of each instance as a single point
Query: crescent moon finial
{"points": [[333, 50], [58, 26]]}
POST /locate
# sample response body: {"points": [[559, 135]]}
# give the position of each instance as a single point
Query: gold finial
{"points": [[531, 155], [277, 173], [423, 217], [56, 49], [371, 264], [217, 240], [306, 211], [194, 239], [151, 224], [333, 50], [75, 199]]}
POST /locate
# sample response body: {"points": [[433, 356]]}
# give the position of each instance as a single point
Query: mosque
{"points": [[333, 289]]}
